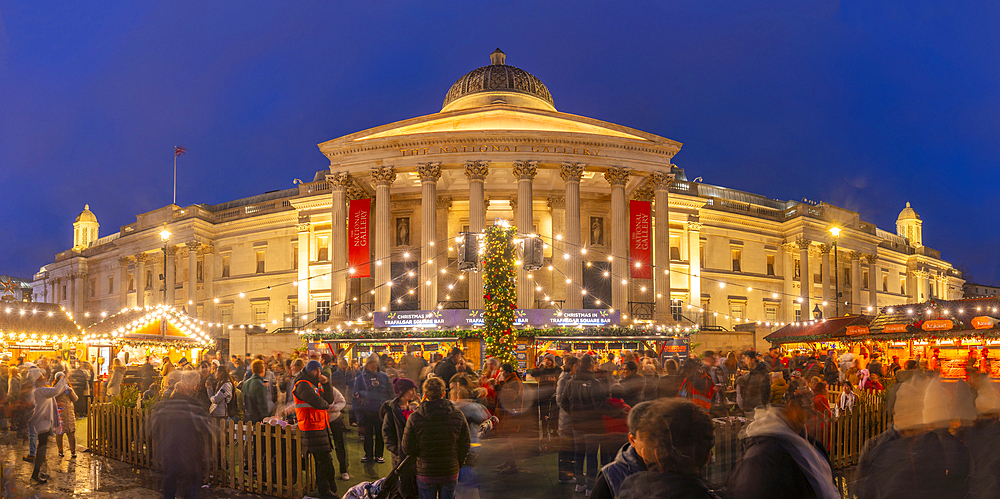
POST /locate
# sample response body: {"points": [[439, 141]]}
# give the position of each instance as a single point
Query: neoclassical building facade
{"points": [[498, 149]]}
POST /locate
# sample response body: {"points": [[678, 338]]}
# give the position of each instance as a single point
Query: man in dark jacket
{"points": [[583, 398], [628, 460], [633, 384], [437, 435], [255, 394], [147, 373], [372, 389], [394, 414], [449, 366], [548, 412], [180, 427], [755, 386], [313, 395]]}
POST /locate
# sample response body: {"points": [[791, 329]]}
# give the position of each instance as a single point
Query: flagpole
{"points": [[175, 175]]}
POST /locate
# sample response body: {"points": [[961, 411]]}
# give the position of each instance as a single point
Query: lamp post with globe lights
{"points": [[836, 271], [165, 237]]}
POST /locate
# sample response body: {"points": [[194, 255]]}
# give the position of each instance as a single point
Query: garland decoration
{"points": [[499, 286], [567, 331]]}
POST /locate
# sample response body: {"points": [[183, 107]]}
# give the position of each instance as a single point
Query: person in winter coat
{"points": [[449, 366], [755, 385], [394, 414], [79, 379], [179, 426], [821, 402], [632, 384], [566, 455], [437, 435], [45, 420], [778, 387], [583, 399], [548, 411], [116, 379], [255, 394], [313, 395], [147, 374], [779, 462], [670, 384], [627, 461], [511, 414], [67, 418], [372, 389], [615, 418], [678, 437], [220, 390]]}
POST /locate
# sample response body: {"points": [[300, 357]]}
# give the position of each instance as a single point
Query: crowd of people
{"points": [[629, 427]]}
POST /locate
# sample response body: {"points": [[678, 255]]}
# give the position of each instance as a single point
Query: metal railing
{"points": [[641, 310], [550, 304], [454, 304], [360, 310]]}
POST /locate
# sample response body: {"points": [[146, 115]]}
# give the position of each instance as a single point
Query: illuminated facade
{"points": [[499, 149]]}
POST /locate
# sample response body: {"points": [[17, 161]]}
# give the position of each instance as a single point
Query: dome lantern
{"points": [[498, 84], [909, 225], [85, 229]]}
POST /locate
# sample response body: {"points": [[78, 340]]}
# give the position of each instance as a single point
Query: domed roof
{"points": [[499, 77], [908, 213], [86, 215]]}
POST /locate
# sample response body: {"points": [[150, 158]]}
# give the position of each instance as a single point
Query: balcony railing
{"points": [[641, 310], [550, 304], [455, 304], [359, 310]]}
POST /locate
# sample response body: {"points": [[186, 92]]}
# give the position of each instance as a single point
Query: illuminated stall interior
{"points": [[821, 335], [32, 330], [136, 333], [664, 346], [359, 349]]}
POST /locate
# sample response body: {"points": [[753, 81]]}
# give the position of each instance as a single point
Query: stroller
{"points": [[379, 489]]}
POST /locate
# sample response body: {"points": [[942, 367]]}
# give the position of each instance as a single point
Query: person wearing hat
{"points": [[313, 395], [372, 389], [394, 414]]}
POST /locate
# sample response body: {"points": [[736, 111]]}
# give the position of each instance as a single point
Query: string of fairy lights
{"points": [[588, 257]]}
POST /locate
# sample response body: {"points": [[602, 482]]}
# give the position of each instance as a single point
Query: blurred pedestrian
{"points": [[627, 460], [180, 428], [313, 395], [394, 415], [566, 446], [583, 398], [67, 418], [372, 389], [437, 435], [45, 420]]}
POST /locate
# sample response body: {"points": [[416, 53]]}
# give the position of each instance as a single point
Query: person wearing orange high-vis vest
{"points": [[313, 394]]}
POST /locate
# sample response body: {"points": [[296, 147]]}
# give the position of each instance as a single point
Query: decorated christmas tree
{"points": [[500, 292]]}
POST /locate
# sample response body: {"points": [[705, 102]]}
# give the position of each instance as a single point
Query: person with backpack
{"points": [[255, 394], [697, 385], [583, 398], [221, 392]]}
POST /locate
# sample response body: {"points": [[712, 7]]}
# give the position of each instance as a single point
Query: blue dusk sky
{"points": [[865, 105]]}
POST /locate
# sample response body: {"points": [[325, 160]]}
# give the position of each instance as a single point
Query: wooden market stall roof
{"points": [[157, 324], [832, 329], [897, 321], [40, 319]]}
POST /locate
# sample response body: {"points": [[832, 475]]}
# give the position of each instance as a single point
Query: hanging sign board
{"points": [[357, 237], [983, 322], [857, 330], [640, 249], [475, 318], [937, 325], [894, 328]]}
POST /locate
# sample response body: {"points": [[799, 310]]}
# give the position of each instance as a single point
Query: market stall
{"points": [[822, 335], [158, 332], [358, 349], [31, 330]]}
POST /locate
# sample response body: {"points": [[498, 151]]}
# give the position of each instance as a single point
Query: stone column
{"points": [[140, 279], [874, 281], [855, 282], [788, 272], [557, 205], [805, 278], [208, 276], [694, 262], [825, 271], [921, 285], [571, 245], [170, 273], [73, 300], [302, 273], [429, 175], [123, 281], [443, 206], [476, 172], [661, 246], [340, 182], [192, 283], [617, 178], [382, 269], [524, 172]]}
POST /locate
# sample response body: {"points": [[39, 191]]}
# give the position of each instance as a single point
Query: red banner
{"points": [[640, 247], [357, 237]]}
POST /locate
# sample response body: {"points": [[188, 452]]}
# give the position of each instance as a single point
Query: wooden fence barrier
{"points": [[251, 457]]}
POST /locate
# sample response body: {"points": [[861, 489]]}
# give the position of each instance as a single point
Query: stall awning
{"points": [[960, 316], [39, 322], [833, 329], [159, 325]]}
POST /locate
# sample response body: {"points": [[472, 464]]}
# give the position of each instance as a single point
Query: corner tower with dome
{"points": [[697, 253]]}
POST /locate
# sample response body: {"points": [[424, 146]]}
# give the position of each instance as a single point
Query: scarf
{"points": [[768, 422], [863, 378]]}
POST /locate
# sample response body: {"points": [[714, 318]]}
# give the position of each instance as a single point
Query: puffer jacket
{"points": [[393, 424], [437, 434], [755, 387], [371, 390], [583, 398], [609, 480], [565, 422]]}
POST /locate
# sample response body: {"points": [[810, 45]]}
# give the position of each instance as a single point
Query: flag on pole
{"points": [[178, 150]]}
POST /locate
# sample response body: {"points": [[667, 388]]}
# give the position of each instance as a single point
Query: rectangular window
{"points": [[737, 259], [293, 307], [131, 282], [770, 264], [225, 265], [64, 292], [226, 315], [818, 276], [736, 310], [200, 269], [902, 285], [798, 313], [322, 311], [322, 248], [885, 283], [149, 278], [675, 247], [847, 277], [864, 280], [701, 256], [295, 257], [771, 312], [675, 309], [260, 261], [93, 287], [111, 285], [259, 314]]}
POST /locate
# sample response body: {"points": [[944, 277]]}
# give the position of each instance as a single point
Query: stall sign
{"points": [[364, 348], [630, 346], [898, 343], [562, 346], [27, 345], [680, 346], [857, 330], [413, 348], [581, 346], [614, 346], [983, 322], [937, 325], [430, 347], [894, 328], [397, 348], [475, 318], [598, 346], [945, 342]]}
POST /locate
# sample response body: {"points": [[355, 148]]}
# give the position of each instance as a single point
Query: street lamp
{"points": [[165, 237], [836, 272]]}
